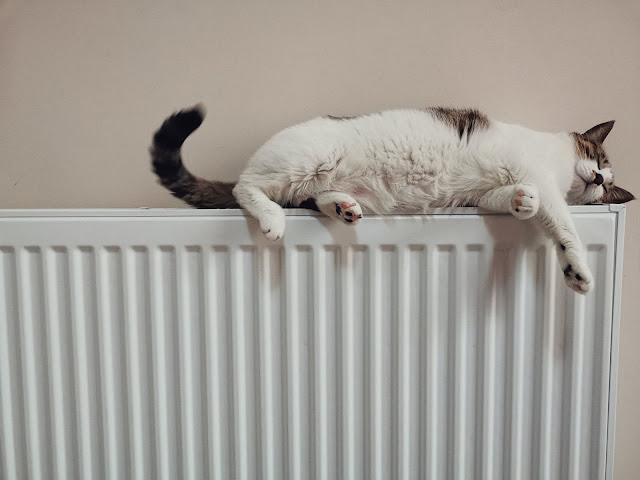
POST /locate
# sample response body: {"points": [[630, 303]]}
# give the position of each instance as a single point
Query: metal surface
{"points": [[181, 344]]}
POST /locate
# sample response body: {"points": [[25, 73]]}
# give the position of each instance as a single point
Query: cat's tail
{"points": [[166, 160]]}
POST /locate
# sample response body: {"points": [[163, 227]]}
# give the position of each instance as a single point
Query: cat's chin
{"points": [[579, 186], [583, 193]]}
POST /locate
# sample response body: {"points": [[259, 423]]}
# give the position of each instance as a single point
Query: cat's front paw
{"points": [[272, 225], [525, 201], [577, 275]]}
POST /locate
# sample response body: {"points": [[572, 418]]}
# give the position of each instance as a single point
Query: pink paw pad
{"points": [[524, 201], [350, 212]]}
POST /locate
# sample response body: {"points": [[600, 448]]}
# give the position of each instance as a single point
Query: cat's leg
{"points": [[522, 200], [555, 219], [340, 206], [268, 213]]}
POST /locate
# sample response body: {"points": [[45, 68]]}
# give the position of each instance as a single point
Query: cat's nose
{"points": [[598, 180]]}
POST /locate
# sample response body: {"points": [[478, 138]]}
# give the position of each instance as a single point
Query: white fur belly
{"points": [[389, 165], [395, 176]]}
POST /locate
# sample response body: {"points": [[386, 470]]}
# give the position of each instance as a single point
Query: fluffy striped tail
{"points": [[166, 160]]}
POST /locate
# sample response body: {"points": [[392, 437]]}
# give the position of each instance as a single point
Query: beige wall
{"points": [[84, 83]]}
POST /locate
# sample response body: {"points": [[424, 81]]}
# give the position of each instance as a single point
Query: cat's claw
{"points": [[577, 275], [525, 201], [349, 212], [273, 225]]}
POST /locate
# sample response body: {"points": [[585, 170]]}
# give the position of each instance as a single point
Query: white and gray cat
{"points": [[407, 161]]}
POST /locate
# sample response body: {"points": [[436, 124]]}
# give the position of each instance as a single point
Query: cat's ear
{"points": [[599, 132], [617, 195]]}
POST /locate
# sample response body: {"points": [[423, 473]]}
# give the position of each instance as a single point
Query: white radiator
{"points": [[181, 344]]}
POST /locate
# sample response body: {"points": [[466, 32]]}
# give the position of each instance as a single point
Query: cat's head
{"points": [[593, 180]]}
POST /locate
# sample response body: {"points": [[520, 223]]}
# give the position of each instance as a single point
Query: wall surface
{"points": [[84, 83]]}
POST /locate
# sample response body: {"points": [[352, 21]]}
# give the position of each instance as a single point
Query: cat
{"points": [[407, 161]]}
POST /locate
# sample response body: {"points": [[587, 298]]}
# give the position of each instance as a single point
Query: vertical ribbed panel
{"points": [[245, 355], [272, 363], [327, 362], [15, 463], [165, 362], [88, 396], [112, 360], [139, 362], [353, 287], [31, 300], [444, 358], [219, 379], [57, 299]]}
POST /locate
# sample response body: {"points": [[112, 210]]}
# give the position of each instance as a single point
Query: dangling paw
{"points": [[577, 275], [349, 212], [525, 201], [272, 224]]}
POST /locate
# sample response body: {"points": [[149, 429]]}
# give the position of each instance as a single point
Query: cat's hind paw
{"points": [[340, 206], [349, 212], [525, 201]]}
